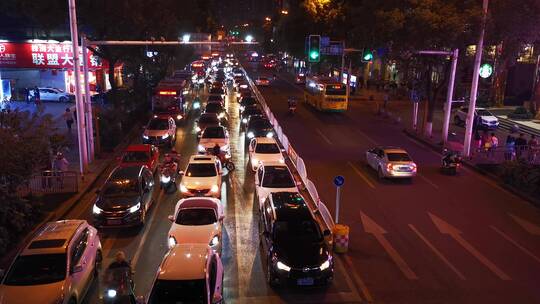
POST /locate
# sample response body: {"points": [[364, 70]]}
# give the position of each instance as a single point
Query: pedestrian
{"points": [[510, 145], [494, 143], [485, 141], [68, 117], [59, 166], [27, 95], [75, 114], [521, 144], [477, 141], [534, 146]]}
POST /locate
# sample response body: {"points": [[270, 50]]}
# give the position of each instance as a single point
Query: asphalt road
{"points": [[437, 239]]}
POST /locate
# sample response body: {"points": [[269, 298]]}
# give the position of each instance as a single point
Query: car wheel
{"points": [[380, 173], [62, 99]]}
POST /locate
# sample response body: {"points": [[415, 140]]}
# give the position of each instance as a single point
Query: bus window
{"points": [[336, 90]]}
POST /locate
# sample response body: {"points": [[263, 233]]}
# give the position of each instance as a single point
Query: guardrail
{"points": [[50, 182], [509, 125], [319, 210]]}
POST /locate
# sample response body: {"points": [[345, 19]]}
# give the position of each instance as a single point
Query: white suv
{"points": [[189, 273], [483, 118], [57, 266], [54, 94], [202, 177]]}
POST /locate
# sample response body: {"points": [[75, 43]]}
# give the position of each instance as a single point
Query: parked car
{"points": [[54, 94], [160, 130], [482, 118], [391, 162], [58, 265], [140, 155], [293, 242], [125, 198]]}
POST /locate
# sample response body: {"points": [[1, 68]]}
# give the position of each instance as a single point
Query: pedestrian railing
{"points": [[506, 153], [50, 182]]}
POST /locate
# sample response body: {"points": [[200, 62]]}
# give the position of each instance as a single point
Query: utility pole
{"points": [[79, 103], [450, 96], [474, 86], [87, 101]]}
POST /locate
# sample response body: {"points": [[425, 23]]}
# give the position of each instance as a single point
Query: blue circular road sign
{"points": [[339, 180]]}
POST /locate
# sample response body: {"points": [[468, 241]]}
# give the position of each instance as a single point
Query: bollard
{"points": [[341, 238]]}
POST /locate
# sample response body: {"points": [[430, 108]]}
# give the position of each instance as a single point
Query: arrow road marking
{"points": [[378, 232], [528, 226], [446, 228], [437, 252], [508, 238]]}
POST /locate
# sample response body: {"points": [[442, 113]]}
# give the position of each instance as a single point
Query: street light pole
{"points": [[79, 102], [450, 96], [87, 101], [474, 86]]}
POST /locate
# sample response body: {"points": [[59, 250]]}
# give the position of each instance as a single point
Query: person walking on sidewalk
{"points": [[510, 148], [477, 142], [521, 144], [59, 166], [494, 143], [68, 117], [534, 146]]}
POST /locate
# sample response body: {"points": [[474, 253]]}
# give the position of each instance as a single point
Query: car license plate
{"points": [[305, 281], [114, 222]]}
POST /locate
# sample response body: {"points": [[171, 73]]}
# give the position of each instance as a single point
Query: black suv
{"points": [[292, 240], [125, 197]]}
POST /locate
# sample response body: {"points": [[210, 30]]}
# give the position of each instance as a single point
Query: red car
{"points": [[143, 154]]}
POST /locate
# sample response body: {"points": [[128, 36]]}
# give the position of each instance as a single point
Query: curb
{"points": [[535, 202]]}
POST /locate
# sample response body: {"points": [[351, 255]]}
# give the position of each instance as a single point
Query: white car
{"points": [[54, 94], [57, 266], [161, 129], [262, 81], [264, 150], [483, 118], [273, 177], [189, 273], [215, 135], [391, 162], [202, 177], [197, 220]]}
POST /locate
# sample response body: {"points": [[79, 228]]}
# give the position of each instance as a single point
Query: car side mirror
{"points": [[171, 218], [76, 269], [283, 150], [327, 233]]}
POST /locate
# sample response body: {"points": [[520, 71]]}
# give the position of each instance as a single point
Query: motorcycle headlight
{"points": [[178, 117], [165, 179], [198, 129], [171, 242], [111, 293], [221, 115], [201, 148], [214, 188], [282, 266], [242, 108], [165, 136], [270, 134], [214, 241], [244, 120], [196, 105], [96, 209], [250, 135], [325, 265], [145, 136], [135, 208], [183, 188]]}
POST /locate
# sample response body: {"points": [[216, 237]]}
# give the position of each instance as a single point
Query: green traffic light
{"points": [[314, 54], [368, 56]]}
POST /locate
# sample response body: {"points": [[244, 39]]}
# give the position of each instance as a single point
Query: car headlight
{"points": [[325, 265], [250, 135], [183, 188], [145, 136], [165, 136], [244, 120], [214, 241], [270, 134], [171, 242], [214, 188], [111, 293], [178, 117], [96, 209], [165, 179], [282, 266], [135, 208]]}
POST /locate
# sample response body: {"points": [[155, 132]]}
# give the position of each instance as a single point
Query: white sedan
{"points": [[273, 177], [197, 220], [263, 150], [391, 162]]}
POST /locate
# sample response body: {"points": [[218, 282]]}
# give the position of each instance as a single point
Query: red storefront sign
{"points": [[43, 56]]}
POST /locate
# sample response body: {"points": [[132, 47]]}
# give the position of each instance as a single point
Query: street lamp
{"points": [[284, 12], [249, 38], [268, 19], [186, 38]]}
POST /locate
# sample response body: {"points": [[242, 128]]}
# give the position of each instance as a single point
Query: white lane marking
{"points": [[515, 243], [378, 232], [428, 181], [326, 139], [146, 232], [371, 140], [358, 279], [446, 228], [348, 280], [437, 252], [526, 225], [362, 175]]}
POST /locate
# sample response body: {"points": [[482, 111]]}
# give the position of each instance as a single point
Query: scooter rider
{"points": [[292, 102], [120, 261], [450, 157]]}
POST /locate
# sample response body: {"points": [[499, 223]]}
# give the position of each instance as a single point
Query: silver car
{"points": [[391, 162]]}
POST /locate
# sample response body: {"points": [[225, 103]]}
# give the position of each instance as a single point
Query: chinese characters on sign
{"points": [[42, 55]]}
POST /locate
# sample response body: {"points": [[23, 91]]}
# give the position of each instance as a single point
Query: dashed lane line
{"points": [[509, 239], [326, 139], [362, 175]]}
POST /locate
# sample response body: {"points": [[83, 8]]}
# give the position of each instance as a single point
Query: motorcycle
{"points": [[117, 286], [225, 160], [168, 174], [450, 165], [292, 109]]}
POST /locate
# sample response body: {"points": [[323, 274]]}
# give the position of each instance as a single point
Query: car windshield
{"points": [[214, 132], [124, 187], [336, 90], [196, 217], [267, 149], [209, 119], [158, 124], [297, 231], [37, 269], [178, 291], [483, 113], [135, 157], [213, 108], [398, 157], [201, 170], [277, 177]]}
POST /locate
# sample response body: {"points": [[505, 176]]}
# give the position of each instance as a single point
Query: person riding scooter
{"points": [[450, 161], [291, 101]]}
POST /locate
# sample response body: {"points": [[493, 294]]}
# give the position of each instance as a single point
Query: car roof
{"points": [[139, 147], [266, 140], [200, 202], [184, 262], [390, 149], [274, 163], [290, 206], [202, 159], [127, 172], [54, 237]]}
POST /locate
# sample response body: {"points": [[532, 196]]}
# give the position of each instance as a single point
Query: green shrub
{"points": [[523, 176]]}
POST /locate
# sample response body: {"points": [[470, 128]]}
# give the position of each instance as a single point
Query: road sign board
{"points": [[335, 48], [339, 181], [325, 41]]}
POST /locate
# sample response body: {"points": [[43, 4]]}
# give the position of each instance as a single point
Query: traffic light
{"points": [[314, 48], [367, 55]]}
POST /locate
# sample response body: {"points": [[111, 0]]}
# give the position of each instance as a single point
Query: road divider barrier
{"points": [[341, 238]]}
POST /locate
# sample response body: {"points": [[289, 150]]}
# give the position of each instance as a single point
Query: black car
{"points": [[258, 126], [218, 109], [217, 91], [125, 197], [293, 242], [206, 120], [216, 98], [246, 102], [248, 112]]}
